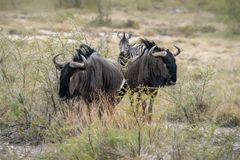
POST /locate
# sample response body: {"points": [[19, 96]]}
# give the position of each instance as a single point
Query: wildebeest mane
{"points": [[100, 75], [84, 50], [149, 44]]}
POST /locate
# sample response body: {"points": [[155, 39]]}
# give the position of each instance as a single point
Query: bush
{"points": [[28, 83], [192, 98], [225, 119], [233, 12], [190, 30], [207, 29]]}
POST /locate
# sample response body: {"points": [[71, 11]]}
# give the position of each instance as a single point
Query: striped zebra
{"points": [[128, 51]]}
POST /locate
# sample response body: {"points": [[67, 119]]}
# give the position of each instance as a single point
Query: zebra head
{"points": [[124, 46], [124, 42]]}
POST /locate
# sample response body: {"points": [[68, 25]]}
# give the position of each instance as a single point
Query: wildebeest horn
{"points": [[152, 49], [178, 51], [57, 65], [78, 64], [157, 54]]}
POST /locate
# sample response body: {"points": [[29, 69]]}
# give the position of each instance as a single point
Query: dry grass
{"points": [[186, 116]]}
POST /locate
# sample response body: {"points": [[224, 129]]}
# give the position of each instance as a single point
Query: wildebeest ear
{"points": [[59, 67]]}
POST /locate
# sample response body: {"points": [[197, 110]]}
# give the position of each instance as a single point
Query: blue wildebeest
{"points": [[153, 67], [91, 77]]}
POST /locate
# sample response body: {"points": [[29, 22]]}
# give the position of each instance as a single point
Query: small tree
{"points": [[104, 9], [233, 12]]}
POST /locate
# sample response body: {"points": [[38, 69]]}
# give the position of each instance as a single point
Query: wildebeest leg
{"points": [[150, 107], [139, 99], [131, 97], [100, 111], [111, 110], [144, 105], [89, 113]]}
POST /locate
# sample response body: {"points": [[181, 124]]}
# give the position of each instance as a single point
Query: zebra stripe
{"points": [[134, 51]]}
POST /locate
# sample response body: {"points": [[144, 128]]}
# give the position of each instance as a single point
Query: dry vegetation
{"points": [[198, 118]]}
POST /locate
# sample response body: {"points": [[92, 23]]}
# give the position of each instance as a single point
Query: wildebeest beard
{"points": [[65, 75], [147, 71]]}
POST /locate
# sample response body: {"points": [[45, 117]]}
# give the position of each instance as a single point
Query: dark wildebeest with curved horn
{"points": [[90, 77], [153, 67]]}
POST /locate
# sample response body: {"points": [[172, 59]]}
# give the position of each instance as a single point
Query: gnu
{"points": [[90, 77], [153, 67]]}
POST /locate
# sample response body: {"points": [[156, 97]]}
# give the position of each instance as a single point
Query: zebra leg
{"points": [[131, 97], [123, 90], [150, 107]]}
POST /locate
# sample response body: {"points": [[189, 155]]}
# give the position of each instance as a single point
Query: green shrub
{"points": [[125, 24], [193, 30], [233, 12], [28, 82], [225, 119], [96, 143], [207, 29], [192, 98], [188, 30]]}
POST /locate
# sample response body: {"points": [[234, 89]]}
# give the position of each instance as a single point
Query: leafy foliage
{"points": [[233, 12]]}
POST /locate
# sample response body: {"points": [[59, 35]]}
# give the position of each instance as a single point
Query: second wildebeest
{"points": [[91, 77], [155, 67]]}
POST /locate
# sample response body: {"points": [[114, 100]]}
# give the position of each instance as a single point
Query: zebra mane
{"points": [[84, 50]]}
